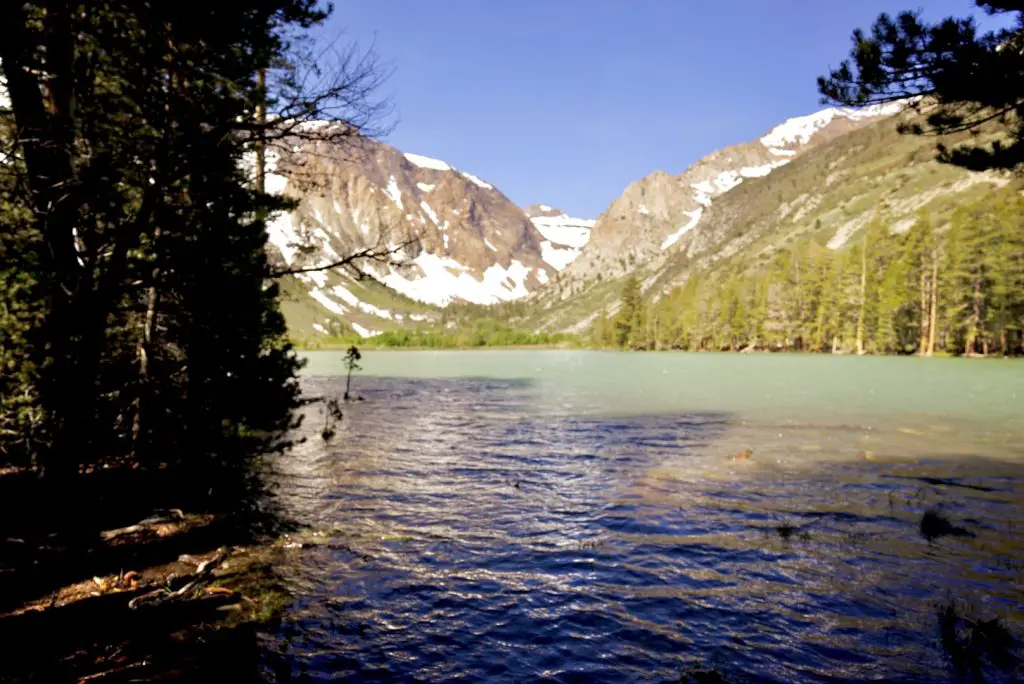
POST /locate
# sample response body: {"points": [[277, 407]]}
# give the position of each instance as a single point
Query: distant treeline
{"points": [[956, 289], [481, 333]]}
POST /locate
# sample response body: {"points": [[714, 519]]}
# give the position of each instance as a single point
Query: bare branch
{"points": [[327, 96], [374, 254]]}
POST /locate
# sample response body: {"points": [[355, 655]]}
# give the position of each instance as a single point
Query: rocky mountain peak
{"points": [[537, 210], [464, 240], [656, 212], [456, 236]]}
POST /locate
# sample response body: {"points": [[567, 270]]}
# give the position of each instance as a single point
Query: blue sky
{"points": [[565, 102]]}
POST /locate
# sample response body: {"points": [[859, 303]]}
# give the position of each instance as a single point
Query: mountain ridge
{"points": [[439, 234], [655, 212], [566, 270], [828, 195]]}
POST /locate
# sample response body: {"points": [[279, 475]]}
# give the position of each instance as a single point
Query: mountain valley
{"points": [[455, 241]]}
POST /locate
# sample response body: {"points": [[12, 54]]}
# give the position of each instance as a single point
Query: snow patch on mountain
{"points": [[791, 133], [564, 229], [444, 279], [318, 278], [477, 181], [346, 295], [760, 171], [556, 256], [282, 235], [672, 239], [273, 182], [325, 244], [328, 303], [430, 212], [394, 192], [800, 129], [428, 162], [426, 187], [439, 165], [703, 192], [364, 332], [879, 110], [727, 180], [564, 237]]}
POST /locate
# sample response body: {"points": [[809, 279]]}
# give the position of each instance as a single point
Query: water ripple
{"points": [[475, 537]]}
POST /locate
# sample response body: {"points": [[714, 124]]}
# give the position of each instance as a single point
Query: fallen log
{"points": [[194, 581], [151, 523]]}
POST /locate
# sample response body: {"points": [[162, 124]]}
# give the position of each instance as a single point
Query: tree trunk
{"points": [[922, 344], [144, 350], [933, 314], [43, 101], [863, 298], [260, 147], [974, 327]]}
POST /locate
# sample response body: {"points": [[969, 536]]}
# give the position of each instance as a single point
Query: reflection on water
{"points": [[475, 536]]}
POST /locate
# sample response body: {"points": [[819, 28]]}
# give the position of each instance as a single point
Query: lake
{"points": [[572, 516]]}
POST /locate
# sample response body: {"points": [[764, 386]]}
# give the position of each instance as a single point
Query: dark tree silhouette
{"points": [[138, 306], [960, 78]]}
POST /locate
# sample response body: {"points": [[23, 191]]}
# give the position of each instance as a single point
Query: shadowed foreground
{"points": [[129, 582]]}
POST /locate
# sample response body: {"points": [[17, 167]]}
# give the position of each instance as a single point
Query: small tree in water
{"points": [[332, 415], [352, 358]]}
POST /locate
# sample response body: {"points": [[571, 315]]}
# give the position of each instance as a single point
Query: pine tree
{"points": [[895, 304], [928, 289], [961, 77], [146, 314], [630, 314], [759, 312], [638, 338], [968, 280], [919, 255], [1003, 259]]}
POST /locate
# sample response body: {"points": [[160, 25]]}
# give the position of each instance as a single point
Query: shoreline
{"points": [[521, 347], [556, 347]]}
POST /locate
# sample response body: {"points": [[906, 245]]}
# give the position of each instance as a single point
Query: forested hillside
{"points": [[957, 289], [776, 262]]}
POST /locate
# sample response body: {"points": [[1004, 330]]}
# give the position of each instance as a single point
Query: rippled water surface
{"points": [[578, 516]]}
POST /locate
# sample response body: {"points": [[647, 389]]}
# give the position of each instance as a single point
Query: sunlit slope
{"points": [[827, 194]]}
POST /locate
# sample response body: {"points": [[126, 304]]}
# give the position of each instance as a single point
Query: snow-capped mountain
{"points": [[655, 213], [462, 238], [564, 235]]}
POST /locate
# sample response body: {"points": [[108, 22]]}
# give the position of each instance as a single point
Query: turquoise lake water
{"points": [[568, 516]]}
